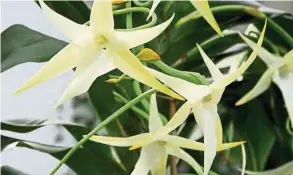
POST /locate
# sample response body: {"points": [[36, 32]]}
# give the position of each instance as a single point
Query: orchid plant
{"points": [[179, 59]]}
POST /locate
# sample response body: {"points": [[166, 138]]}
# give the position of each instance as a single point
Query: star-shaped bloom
{"points": [[153, 157], [202, 7], [280, 71], [96, 50], [202, 100]]}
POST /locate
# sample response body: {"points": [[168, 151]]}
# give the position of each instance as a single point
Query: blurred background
{"points": [[31, 104]]}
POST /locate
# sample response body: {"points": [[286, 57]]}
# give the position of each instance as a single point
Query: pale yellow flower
{"points": [[202, 100], [153, 157], [280, 71], [202, 7], [96, 50]]}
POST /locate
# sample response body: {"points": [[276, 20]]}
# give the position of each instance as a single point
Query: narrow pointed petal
{"points": [[180, 153], [285, 169], [154, 6], [62, 62], [243, 159], [215, 72], [139, 37], [127, 63], [85, 76], [190, 91], [232, 77], [288, 59], [75, 32], [155, 122], [149, 157], [159, 168], [119, 141], [226, 146], [179, 117], [203, 8], [207, 123], [285, 83], [266, 56], [101, 19], [262, 85], [182, 142]]}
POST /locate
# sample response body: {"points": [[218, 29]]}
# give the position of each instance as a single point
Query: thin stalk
{"points": [[172, 111], [102, 125]]}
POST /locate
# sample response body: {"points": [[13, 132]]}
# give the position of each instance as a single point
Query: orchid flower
{"points": [[202, 7], [280, 71], [202, 100], [153, 157], [96, 50]]}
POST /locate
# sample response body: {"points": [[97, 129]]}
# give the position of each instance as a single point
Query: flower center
{"points": [[207, 98], [101, 41]]}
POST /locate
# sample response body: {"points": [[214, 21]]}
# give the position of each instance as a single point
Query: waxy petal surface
{"points": [[233, 76], [180, 153], [262, 85], [127, 63], [62, 62], [285, 83], [139, 37], [154, 6], [101, 19], [202, 6], [76, 32], [155, 122]]}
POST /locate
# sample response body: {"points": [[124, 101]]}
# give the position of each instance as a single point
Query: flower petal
{"points": [[75, 32], [62, 62], [190, 91], [149, 157], [288, 59], [127, 63], [266, 56], [262, 85], [154, 6], [155, 122], [139, 37], [182, 142], [203, 8], [179, 117], [285, 83], [215, 72], [226, 146], [159, 168], [207, 123], [120, 141], [233, 76], [101, 19], [180, 153], [84, 76]]}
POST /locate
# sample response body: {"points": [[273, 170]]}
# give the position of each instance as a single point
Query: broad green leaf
{"points": [[83, 162], [77, 11], [77, 131], [8, 170], [21, 44]]}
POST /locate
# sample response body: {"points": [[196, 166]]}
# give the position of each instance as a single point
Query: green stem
{"points": [[102, 125], [142, 4], [136, 9], [139, 111], [129, 16], [138, 91], [192, 77]]}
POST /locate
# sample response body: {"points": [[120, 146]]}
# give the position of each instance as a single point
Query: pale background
{"points": [[39, 101]]}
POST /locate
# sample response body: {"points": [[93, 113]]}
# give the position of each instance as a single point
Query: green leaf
{"points": [[285, 169], [83, 162], [7, 170], [21, 44], [77, 11], [77, 131]]}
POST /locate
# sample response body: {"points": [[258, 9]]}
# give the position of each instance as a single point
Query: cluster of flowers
{"points": [[98, 49]]}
